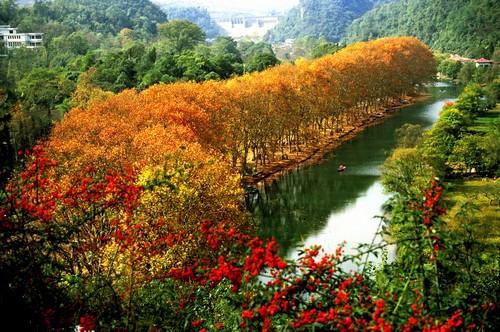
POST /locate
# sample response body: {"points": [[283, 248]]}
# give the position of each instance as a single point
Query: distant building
{"points": [[456, 57], [12, 39], [483, 62], [479, 62]]}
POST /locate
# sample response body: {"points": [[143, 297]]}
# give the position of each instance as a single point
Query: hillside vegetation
{"points": [[319, 18], [469, 28], [100, 17], [197, 15]]}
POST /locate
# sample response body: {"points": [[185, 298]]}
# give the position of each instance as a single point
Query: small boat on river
{"points": [[341, 168]]}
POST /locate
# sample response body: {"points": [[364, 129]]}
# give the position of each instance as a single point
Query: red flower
{"points": [[87, 323]]}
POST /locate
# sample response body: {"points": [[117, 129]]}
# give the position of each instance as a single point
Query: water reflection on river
{"points": [[319, 206]]}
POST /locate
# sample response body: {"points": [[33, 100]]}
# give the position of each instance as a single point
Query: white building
{"points": [[253, 27], [483, 62], [12, 39]]}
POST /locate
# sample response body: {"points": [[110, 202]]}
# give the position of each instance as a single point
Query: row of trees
{"points": [[270, 113]]}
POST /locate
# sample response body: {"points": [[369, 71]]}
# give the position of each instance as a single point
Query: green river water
{"points": [[317, 205]]}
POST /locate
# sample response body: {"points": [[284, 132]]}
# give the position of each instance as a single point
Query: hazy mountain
{"points": [[241, 7]]}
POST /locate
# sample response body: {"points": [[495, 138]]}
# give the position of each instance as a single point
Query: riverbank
{"points": [[314, 153]]}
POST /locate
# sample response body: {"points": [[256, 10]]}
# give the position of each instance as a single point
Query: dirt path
{"points": [[315, 153]]}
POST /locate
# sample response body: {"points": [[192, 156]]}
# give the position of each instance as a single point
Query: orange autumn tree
{"points": [[157, 138], [86, 93]]}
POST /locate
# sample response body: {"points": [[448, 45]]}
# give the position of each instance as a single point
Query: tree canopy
{"points": [[197, 15], [98, 16], [181, 34]]}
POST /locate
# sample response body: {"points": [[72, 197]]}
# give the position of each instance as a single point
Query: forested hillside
{"points": [[320, 18], [467, 27], [98, 16], [198, 15]]}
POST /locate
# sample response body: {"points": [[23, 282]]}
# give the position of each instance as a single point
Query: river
{"points": [[317, 205]]}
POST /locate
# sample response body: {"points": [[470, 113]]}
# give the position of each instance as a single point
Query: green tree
{"points": [[408, 136], [250, 48], [65, 49], [261, 62], [193, 66], [145, 64], [183, 35], [491, 142], [438, 142], [7, 11], [6, 150], [450, 68], [117, 71], [453, 121], [406, 172], [470, 101], [466, 73], [225, 58], [304, 46], [226, 45], [468, 152], [492, 92], [166, 65], [44, 88], [22, 61], [324, 48]]}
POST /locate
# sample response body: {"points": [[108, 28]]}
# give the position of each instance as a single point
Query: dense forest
{"points": [[61, 16], [469, 28]]}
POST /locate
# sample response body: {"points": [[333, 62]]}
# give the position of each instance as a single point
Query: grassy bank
{"points": [[475, 202], [482, 122]]}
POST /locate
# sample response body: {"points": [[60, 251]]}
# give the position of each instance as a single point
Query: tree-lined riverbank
{"points": [[315, 152], [317, 205]]}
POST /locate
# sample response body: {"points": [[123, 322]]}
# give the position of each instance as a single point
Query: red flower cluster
{"points": [[312, 291], [431, 210], [87, 323]]}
